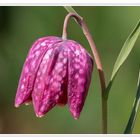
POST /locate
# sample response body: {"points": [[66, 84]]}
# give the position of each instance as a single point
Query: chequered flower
{"points": [[56, 72]]}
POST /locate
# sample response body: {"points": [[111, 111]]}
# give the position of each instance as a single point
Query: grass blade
{"points": [[126, 49], [70, 9], [132, 118], [124, 53]]}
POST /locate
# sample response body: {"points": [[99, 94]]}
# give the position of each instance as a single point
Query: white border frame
{"points": [[68, 3]]}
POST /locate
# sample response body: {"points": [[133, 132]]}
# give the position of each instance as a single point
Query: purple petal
{"points": [[30, 68], [51, 81], [79, 77]]}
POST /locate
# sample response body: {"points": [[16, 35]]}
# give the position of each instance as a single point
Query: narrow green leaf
{"points": [[126, 49], [70, 9], [124, 53], [132, 118]]}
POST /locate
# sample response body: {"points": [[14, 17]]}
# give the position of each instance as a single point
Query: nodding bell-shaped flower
{"points": [[56, 72]]}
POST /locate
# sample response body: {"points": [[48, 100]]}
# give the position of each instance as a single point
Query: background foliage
{"points": [[110, 26]]}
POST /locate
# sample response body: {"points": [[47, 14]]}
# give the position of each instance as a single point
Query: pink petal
{"points": [[51, 82], [79, 77], [30, 68]]}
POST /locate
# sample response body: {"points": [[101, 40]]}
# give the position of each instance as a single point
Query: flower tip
{"points": [[27, 103], [76, 118], [39, 115], [17, 105], [75, 115]]}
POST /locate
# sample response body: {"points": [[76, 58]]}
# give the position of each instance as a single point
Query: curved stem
{"points": [[88, 36]]}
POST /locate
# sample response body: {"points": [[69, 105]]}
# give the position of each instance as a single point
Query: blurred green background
{"points": [[110, 26]]}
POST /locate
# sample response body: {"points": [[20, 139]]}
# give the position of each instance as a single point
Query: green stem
{"points": [[88, 36], [132, 119], [70, 10]]}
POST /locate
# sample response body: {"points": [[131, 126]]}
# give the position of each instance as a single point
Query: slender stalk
{"points": [[88, 36]]}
